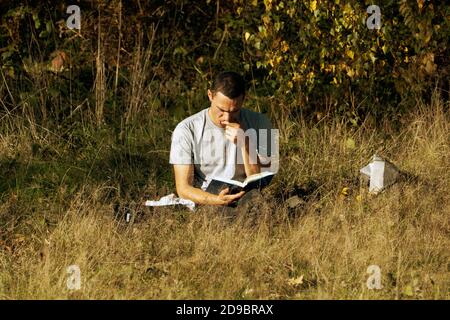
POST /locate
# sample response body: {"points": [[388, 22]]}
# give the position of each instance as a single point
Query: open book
{"points": [[255, 181]]}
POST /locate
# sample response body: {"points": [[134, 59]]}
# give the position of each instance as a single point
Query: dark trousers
{"points": [[250, 201]]}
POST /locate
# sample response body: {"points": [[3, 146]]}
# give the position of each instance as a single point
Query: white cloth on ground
{"points": [[170, 200]]}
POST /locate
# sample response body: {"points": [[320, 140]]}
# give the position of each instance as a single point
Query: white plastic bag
{"points": [[379, 173]]}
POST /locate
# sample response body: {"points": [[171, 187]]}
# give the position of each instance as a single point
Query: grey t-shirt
{"points": [[197, 140]]}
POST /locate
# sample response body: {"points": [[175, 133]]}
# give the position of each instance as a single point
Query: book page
{"points": [[249, 179], [229, 181], [257, 176]]}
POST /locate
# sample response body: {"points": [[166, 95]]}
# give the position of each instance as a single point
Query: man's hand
{"points": [[225, 199], [232, 133], [233, 130], [184, 178]]}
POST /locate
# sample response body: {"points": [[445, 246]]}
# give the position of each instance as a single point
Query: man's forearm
{"points": [[251, 164], [198, 196]]}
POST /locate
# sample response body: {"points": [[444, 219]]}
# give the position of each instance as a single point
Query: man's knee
{"points": [[252, 195]]}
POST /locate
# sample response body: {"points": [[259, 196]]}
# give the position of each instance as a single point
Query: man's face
{"points": [[224, 109]]}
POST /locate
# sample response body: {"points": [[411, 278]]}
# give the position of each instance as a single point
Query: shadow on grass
{"points": [[37, 179], [125, 175]]}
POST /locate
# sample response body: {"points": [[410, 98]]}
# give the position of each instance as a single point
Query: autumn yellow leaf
{"points": [[345, 191], [350, 73], [296, 281], [420, 4], [350, 54]]}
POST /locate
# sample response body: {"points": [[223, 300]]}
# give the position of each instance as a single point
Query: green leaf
{"points": [[48, 26], [408, 291], [6, 54], [350, 143], [37, 22]]}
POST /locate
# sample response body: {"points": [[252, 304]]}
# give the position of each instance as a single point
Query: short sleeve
{"points": [[181, 149], [265, 139]]}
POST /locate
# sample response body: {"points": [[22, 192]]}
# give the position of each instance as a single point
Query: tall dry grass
{"points": [[320, 250]]}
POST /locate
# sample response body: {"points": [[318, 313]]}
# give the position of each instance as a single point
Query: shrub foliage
{"points": [[315, 54]]}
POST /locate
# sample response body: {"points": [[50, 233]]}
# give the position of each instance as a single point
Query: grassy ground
{"points": [[59, 194]]}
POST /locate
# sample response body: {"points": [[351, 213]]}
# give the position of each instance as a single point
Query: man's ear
{"points": [[210, 95]]}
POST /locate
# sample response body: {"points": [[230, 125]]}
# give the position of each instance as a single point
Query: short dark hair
{"points": [[230, 84]]}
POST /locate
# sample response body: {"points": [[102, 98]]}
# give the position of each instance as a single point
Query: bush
{"points": [[318, 55]]}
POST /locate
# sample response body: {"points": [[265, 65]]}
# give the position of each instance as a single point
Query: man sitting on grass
{"points": [[211, 144]]}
